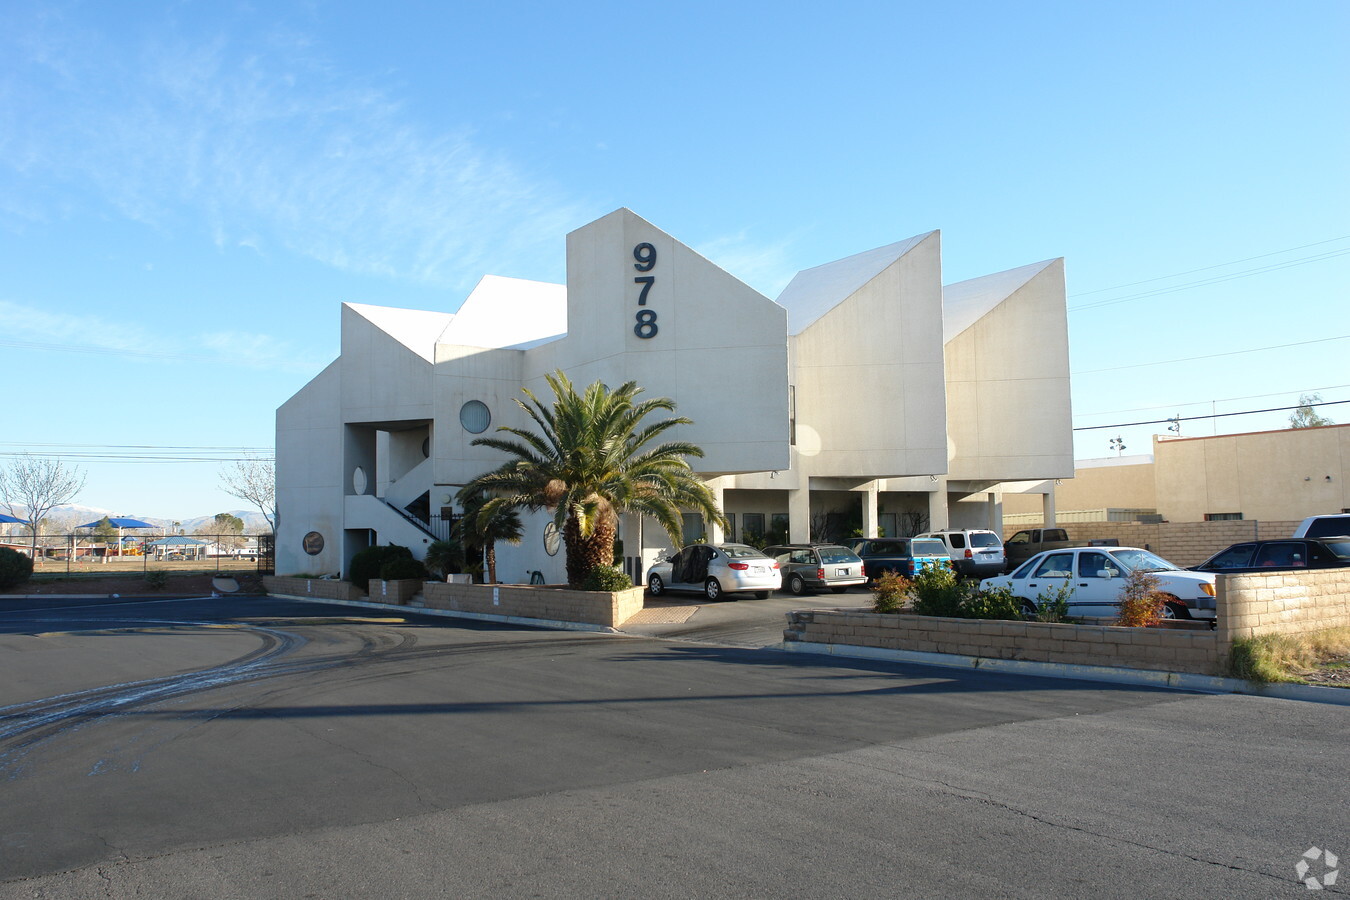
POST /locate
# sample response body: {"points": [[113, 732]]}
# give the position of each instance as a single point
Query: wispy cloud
{"points": [[31, 328], [767, 267], [259, 143]]}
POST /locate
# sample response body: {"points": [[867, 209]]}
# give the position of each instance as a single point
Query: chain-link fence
{"points": [[83, 554]]}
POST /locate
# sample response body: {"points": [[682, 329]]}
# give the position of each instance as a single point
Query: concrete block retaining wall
{"points": [[1285, 602], [1198, 652], [1183, 543], [532, 602], [320, 588]]}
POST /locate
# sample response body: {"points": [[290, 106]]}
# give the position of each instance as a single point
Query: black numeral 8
{"points": [[646, 323]]}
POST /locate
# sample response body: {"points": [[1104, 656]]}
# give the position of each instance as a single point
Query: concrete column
{"points": [[869, 509], [1048, 509], [995, 508], [938, 517], [716, 533], [799, 515]]}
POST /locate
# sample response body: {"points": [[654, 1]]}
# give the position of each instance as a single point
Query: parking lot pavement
{"points": [[738, 623]]}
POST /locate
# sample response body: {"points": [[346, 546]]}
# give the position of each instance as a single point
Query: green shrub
{"points": [[367, 563], [606, 578], [937, 592], [397, 569], [890, 592], [156, 580], [15, 568], [444, 558], [995, 603], [1053, 604]]}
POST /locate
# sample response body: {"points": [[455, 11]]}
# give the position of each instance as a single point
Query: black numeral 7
{"points": [[646, 282]]}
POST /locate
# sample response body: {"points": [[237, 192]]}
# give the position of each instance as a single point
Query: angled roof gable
{"points": [[814, 292], [415, 329], [509, 312], [966, 302]]}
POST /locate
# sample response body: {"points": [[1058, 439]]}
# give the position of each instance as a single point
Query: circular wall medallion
{"points": [[475, 417], [426, 447], [313, 543], [552, 539], [359, 480]]}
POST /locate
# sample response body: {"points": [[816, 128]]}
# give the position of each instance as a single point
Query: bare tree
{"points": [[38, 484], [254, 480]]}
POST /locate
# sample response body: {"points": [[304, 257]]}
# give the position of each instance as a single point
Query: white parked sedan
{"points": [[1096, 575], [714, 570]]}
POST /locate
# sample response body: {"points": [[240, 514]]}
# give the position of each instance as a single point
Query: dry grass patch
{"points": [[1322, 657]]}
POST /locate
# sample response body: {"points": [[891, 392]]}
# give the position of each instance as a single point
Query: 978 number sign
{"points": [[645, 254]]}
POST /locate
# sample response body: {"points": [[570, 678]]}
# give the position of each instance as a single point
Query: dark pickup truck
{"points": [[1026, 543], [904, 556]]}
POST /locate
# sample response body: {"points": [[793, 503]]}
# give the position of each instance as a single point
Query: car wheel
{"points": [[796, 585], [839, 590], [1175, 609], [655, 585], [761, 595], [712, 589], [1028, 609]]}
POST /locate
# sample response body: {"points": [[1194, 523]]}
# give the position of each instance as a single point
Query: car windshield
{"points": [[929, 548], [739, 551], [985, 539], [1143, 561], [831, 555]]}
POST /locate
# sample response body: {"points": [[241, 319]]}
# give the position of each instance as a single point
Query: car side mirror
{"points": [[1104, 573]]}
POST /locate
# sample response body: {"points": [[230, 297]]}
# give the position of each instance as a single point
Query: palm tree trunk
{"points": [[492, 562], [584, 554]]}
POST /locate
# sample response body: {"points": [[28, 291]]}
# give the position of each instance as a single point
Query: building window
{"points": [[475, 417], [693, 527], [752, 527], [888, 525], [792, 415], [731, 526], [1223, 517]]}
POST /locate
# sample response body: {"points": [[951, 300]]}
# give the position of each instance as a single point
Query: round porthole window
{"points": [[475, 417], [552, 539]]}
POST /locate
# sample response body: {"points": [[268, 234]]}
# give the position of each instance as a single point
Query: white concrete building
{"points": [[867, 396]]}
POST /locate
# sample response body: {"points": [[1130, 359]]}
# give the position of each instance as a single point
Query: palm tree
{"points": [[483, 527], [589, 462]]}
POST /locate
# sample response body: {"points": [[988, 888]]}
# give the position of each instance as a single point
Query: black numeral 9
{"points": [[645, 254]]}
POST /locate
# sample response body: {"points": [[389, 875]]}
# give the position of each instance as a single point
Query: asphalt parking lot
{"points": [[253, 747]]}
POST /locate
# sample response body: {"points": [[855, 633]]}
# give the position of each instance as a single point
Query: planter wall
{"points": [[1199, 652], [399, 591], [1283, 602], [321, 588], [536, 602]]}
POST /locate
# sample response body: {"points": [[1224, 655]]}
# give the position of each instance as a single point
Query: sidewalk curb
{"points": [[1179, 681]]}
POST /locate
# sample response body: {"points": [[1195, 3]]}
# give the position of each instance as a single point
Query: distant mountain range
{"points": [[253, 520]]}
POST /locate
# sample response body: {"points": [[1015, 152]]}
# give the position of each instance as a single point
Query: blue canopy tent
{"points": [[119, 524], [10, 520]]}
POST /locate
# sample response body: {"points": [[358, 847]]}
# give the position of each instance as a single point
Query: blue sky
{"points": [[189, 190]]}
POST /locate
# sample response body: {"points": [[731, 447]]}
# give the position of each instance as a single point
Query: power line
{"points": [[1215, 266], [1249, 412], [1211, 355], [1111, 412], [1218, 279]]}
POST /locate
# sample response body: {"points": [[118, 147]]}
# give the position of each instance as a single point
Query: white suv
{"points": [[1333, 525], [975, 553]]}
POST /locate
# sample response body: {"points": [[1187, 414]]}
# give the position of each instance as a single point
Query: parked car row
{"points": [[1094, 576]]}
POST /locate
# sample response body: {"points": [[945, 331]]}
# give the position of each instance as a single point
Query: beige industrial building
{"points": [[867, 392], [1264, 476]]}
